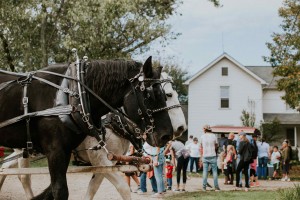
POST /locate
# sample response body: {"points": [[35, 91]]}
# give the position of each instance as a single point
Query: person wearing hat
{"points": [[209, 144]]}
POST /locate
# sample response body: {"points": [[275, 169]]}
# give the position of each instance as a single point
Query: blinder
{"points": [[148, 94]]}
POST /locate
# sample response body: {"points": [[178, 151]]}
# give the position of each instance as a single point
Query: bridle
{"points": [[142, 85]]}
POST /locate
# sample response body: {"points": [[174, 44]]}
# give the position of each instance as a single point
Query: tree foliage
{"points": [[34, 33], [179, 76], [248, 119], [285, 52], [271, 131]]}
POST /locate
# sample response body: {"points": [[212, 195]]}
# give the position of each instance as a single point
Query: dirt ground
{"points": [[12, 188]]}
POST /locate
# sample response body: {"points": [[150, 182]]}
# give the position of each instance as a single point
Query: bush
{"points": [[289, 194]]}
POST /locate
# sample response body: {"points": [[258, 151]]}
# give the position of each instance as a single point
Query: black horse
{"points": [[133, 85]]}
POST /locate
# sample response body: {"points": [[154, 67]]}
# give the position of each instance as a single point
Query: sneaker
{"points": [[288, 179], [240, 185], [136, 191], [169, 188], [157, 195], [176, 190], [208, 185], [246, 189], [183, 190], [252, 184], [283, 179], [141, 192], [257, 184], [217, 189]]}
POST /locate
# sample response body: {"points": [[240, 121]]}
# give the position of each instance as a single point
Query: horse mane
{"points": [[106, 75]]}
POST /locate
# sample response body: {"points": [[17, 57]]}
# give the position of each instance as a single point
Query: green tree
{"points": [[271, 131], [285, 52], [179, 76], [248, 119], [34, 33]]}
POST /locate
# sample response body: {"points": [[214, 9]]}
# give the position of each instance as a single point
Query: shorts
{"points": [[276, 167], [285, 168]]}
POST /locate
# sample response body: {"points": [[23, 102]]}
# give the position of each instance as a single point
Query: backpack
{"points": [[253, 149], [251, 153]]}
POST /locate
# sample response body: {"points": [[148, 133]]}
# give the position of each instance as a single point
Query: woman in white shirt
{"points": [[194, 149]]}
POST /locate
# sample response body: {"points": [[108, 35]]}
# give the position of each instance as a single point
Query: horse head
{"points": [[153, 105]]}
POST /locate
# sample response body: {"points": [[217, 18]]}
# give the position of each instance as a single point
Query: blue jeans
{"points": [[143, 182], [262, 167], [213, 161], [192, 161], [169, 180], [158, 173]]}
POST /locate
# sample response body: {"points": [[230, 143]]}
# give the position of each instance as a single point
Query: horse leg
{"points": [[25, 179], [58, 161], [94, 185], [120, 184], [9, 164]]}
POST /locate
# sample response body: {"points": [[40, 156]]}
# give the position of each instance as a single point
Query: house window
{"points": [[224, 96], [290, 135], [224, 71]]}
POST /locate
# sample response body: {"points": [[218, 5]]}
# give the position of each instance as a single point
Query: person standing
{"points": [[263, 157], [132, 174], [275, 160], [194, 149], [182, 157], [158, 160], [143, 177], [209, 144], [222, 143], [245, 159], [285, 161], [169, 173]]}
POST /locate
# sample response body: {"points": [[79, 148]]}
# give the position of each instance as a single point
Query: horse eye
{"points": [[169, 94]]}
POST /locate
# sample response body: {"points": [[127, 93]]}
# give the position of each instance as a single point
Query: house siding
{"points": [[204, 97], [272, 102]]}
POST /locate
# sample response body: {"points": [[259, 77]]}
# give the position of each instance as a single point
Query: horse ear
{"points": [[147, 67]]}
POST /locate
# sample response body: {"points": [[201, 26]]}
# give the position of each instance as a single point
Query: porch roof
{"points": [[234, 129], [292, 118]]}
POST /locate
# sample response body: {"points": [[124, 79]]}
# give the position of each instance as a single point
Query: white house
{"points": [[220, 91]]}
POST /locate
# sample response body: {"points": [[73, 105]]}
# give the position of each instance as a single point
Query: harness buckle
{"points": [[85, 118], [25, 100], [29, 145]]}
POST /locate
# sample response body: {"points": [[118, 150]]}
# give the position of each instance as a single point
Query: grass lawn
{"points": [[230, 195]]}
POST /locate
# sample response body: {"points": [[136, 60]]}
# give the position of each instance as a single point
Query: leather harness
{"points": [[72, 104]]}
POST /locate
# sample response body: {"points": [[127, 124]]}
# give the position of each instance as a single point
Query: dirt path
{"points": [[12, 188]]}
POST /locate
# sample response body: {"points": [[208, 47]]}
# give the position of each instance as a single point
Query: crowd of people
{"points": [[237, 156]]}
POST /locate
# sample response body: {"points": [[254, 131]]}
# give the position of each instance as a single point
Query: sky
{"points": [[240, 28]]}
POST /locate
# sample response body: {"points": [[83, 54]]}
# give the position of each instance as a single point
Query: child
{"points": [[228, 164], [253, 176], [275, 160], [169, 171]]}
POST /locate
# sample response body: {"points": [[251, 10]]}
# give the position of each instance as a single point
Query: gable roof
{"points": [[225, 55], [266, 73]]}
